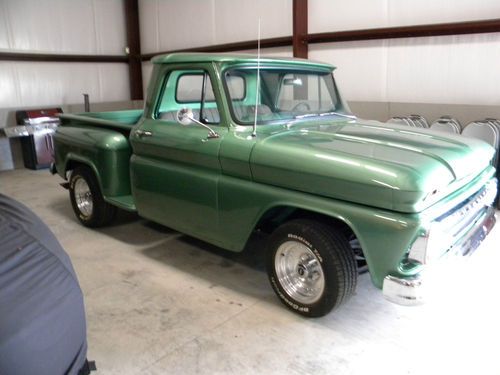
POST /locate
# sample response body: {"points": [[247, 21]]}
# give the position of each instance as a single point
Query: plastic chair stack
{"points": [[447, 124], [487, 130], [415, 121]]}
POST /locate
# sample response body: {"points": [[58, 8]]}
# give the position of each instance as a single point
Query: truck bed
{"points": [[116, 120]]}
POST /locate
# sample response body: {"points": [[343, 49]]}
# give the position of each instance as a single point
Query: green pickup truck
{"points": [[230, 144]]}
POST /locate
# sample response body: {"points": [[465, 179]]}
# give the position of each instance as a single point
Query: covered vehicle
{"points": [[42, 316]]}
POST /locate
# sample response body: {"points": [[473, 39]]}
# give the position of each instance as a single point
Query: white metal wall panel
{"points": [[148, 23], [113, 82], [337, 15], [4, 27], [63, 26], [9, 95], [449, 69], [185, 24], [110, 28], [361, 67], [38, 84], [237, 20], [412, 12], [170, 24]]}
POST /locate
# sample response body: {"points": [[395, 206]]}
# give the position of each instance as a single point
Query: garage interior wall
{"points": [[86, 27], [167, 25], [431, 76]]}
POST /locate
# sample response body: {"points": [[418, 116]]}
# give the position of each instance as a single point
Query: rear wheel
{"points": [[311, 267], [87, 200]]}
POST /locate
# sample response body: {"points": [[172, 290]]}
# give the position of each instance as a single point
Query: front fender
{"points": [[385, 236]]}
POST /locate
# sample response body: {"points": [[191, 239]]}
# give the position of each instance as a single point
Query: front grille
{"points": [[456, 223]]}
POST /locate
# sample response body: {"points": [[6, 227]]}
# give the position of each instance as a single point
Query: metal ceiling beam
{"points": [[52, 57], [230, 47], [455, 28], [134, 49], [440, 29], [300, 46]]}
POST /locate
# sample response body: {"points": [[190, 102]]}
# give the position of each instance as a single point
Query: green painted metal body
{"points": [[386, 182]]}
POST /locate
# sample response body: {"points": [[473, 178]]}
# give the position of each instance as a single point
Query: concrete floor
{"points": [[158, 302]]}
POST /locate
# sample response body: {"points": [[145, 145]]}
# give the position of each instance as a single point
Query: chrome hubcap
{"points": [[83, 197], [299, 272]]}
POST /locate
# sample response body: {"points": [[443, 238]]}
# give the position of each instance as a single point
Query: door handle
{"points": [[143, 133]]}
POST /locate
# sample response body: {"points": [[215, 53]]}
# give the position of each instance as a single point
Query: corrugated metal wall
{"points": [[448, 69], [93, 27], [454, 70]]}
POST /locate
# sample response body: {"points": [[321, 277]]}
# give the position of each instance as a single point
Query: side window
{"points": [[190, 86], [237, 87], [188, 89]]}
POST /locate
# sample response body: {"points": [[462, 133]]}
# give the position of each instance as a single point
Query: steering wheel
{"points": [[301, 106]]}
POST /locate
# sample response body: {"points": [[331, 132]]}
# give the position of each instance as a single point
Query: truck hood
{"points": [[382, 165]]}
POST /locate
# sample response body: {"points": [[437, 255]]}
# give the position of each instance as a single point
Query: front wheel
{"points": [[87, 200], [311, 267]]}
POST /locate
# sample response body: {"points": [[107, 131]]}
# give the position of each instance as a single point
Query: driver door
{"points": [[175, 168]]}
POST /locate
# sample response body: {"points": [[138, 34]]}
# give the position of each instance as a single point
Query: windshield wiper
{"points": [[324, 114], [307, 115], [337, 114]]}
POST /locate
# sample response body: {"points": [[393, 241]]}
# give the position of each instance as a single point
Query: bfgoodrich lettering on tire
{"points": [[311, 267], [87, 200]]}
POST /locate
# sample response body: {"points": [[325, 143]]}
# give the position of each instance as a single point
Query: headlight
{"points": [[430, 245]]}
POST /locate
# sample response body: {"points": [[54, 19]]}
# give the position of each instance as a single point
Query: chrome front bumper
{"points": [[411, 291]]}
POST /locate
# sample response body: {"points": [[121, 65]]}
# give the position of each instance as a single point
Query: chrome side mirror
{"points": [[185, 116]]}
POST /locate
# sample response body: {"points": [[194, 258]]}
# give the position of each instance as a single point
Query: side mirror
{"points": [[185, 116]]}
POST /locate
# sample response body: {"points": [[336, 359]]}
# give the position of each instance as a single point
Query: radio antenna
{"points": [[257, 91]]}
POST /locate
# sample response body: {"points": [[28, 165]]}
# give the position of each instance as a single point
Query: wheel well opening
{"points": [[72, 165], [276, 216]]}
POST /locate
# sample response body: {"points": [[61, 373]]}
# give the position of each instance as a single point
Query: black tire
{"points": [[323, 247], [100, 213]]}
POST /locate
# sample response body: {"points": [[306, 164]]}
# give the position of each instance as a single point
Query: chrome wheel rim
{"points": [[299, 272], [83, 197]]}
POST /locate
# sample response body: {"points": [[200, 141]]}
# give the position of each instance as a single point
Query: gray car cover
{"points": [[42, 317]]}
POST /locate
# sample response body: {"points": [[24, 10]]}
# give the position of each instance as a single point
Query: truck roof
{"points": [[233, 58]]}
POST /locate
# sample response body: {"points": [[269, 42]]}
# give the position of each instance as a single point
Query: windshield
{"points": [[284, 94]]}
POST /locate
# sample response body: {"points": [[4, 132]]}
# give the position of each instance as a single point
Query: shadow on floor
{"points": [[243, 272]]}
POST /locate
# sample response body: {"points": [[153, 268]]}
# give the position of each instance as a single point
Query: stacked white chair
{"points": [[454, 121], [399, 120], [489, 131], [419, 121], [448, 125], [415, 121]]}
